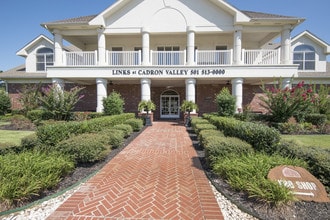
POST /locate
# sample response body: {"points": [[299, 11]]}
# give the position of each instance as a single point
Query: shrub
{"points": [[100, 123], [85, 148], [249, 173], [205, 135], [316, 119], [316, 158], [32, 173], [135, 123], [35, 115], [113, 104], [60, 104], [200, 127], [114, 138], [220, 147], [29, 97], [197, 120], [225, 103], [5, 103], [29, 142], [127, 129]]}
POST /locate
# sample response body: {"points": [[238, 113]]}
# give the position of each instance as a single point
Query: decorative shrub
{"points": [[85, 148], [197, 120], [30, 174], [220, 147], [5, 103], [35, 115], [29, 142], [135, 123], [200, 127], [205, 135], [113, 104], [316, 119], [317, 159], [225, 103], [100, 123], [115, 138], [127, 129]]}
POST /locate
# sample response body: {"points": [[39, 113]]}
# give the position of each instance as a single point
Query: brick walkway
{"points": [[157, 176]]}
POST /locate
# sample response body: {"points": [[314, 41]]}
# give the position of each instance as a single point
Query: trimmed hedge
{"points": [[197, 120], [220, 147], [135, 123], [316, 158], [115, 138], [51, 134], [85, 148], [204, 135], [201, 127], [261, 137], [126, 128]]}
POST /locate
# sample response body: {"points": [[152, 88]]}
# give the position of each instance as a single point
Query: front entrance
{"points": [[170, 104]]}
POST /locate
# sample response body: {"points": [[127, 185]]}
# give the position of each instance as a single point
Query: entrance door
{"points": [[170, 105]]}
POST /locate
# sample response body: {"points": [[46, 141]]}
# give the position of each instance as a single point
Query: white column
{"points": [[190, 45], [59, 83], [237, 91], [145, 89], [101, 89], [286, 83], [58, 45], [145, 46], [101, 47], [190, 90], [285, 45], [237, 45]]}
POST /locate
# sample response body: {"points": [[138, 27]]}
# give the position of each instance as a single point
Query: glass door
{"points": [[170, 105]]}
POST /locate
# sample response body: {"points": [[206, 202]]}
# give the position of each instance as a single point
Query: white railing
{"points": [[165, 58], [80, 58], [214, 57], [124, 58], [261, 57]]}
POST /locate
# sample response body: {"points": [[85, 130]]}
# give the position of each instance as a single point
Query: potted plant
{"points": [[147, 105], [188, 106]]}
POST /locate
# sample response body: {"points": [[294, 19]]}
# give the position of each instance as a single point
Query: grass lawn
{"points": [[310, 140], [13, 137]]}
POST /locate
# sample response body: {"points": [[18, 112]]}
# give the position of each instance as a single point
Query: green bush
{"points": [[127, 129], [115, 138], [29, 142], [85, 148], [316, 119], [30, 174], [261, 137], [5, 103], [205, 135], [226, 103], [35, 115], [100, 123], [220, 147], [316, 158], [113, 104], [249, 172], [200, 127], [135, 123], [197, 120]]}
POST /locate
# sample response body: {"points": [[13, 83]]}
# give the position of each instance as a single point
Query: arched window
{"points": [[45, 57], [304, 55]]}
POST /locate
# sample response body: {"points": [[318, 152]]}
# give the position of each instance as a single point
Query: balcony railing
{"points": [[173, 58]]}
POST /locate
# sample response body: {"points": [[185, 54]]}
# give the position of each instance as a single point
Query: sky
{"points": [[20, 19]]}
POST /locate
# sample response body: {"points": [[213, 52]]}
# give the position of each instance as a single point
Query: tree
{"points": [[29, 97], [226, 103], [5, 103], [60, 104], [113, 104]]}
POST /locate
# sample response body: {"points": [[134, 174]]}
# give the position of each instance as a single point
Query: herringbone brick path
{"points": [[157, 176]]}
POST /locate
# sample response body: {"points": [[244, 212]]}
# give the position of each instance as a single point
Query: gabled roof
{"points": [[77, 20], [315, 39], [24, 51]]}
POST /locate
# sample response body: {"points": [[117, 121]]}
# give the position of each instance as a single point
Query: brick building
{"points": [[168, 51]]}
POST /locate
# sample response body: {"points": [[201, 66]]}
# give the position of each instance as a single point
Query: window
{"points": [[304, 55], [45, 57]]}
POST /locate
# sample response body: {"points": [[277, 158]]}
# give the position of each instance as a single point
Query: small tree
{"points": [[147, 105], [226, 103], [322, 100], [60, 104], [5, 103], [282, 104], [29, 97], [113, 104], [188, 106]]}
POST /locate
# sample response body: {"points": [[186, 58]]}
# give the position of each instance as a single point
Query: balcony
{"points": [[172, 58]]}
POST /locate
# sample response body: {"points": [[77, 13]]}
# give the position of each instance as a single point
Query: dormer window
{"points": [[45, 57], [304, 55]]}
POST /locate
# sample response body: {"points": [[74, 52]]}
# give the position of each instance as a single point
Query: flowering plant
{"points": [[284, 103]]}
